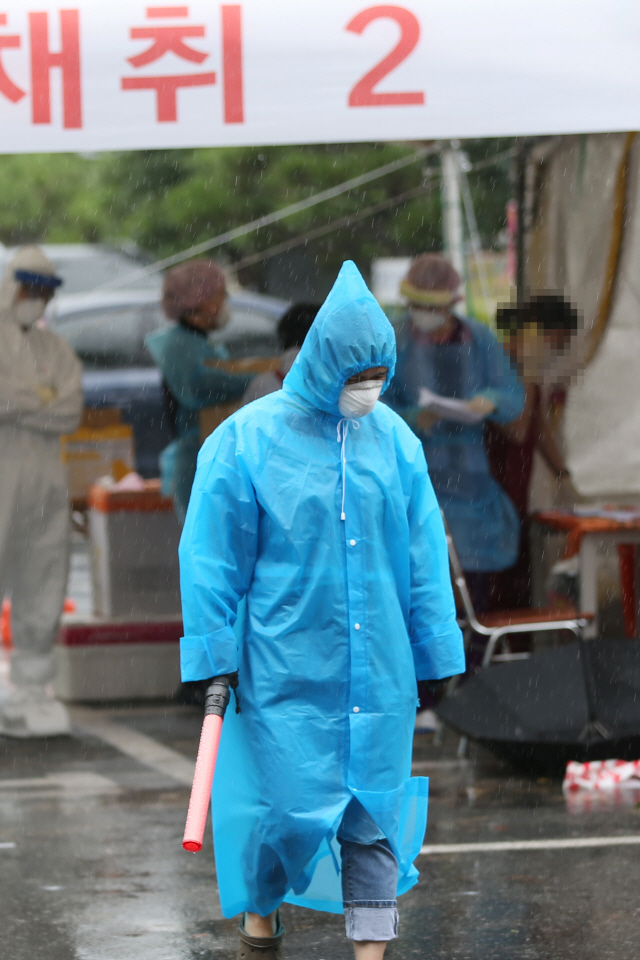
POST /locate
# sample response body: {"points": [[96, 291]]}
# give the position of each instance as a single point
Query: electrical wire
{"points": [[433, 174], [288, 211], [326, 228], [270, 218]]}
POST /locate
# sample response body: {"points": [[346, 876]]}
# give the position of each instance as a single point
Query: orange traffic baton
{"points": [[215, 706]]}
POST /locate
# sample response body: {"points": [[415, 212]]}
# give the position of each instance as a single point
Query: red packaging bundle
{"points": [[601, 775]]}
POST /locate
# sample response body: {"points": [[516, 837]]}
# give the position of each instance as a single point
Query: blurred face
{"points": [[535, 348], [29, 292], [371, 373]]}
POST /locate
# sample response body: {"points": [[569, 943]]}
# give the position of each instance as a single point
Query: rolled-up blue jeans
{"points": [[369, 877]]}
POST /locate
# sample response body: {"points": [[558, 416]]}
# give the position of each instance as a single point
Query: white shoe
{"points": [[426, 722], [31, 712]]}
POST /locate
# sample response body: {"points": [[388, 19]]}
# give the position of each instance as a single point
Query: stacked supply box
{"points": [[134, 538], [101, 659], [129, 648]]}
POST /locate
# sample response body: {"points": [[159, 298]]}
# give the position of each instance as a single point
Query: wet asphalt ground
{"points": [[91, 866]]}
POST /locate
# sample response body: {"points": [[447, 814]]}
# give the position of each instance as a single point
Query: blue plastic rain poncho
{"points": [[483, 521], [341, 616], [182, 353]]}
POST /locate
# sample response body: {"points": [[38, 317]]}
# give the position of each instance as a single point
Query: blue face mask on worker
{"points": [[359, 399]]}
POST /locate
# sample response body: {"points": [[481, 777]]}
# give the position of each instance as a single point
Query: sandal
{"points": [[261, 948]]}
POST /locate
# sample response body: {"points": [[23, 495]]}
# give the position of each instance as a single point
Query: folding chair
{"points": [[499, 625]]}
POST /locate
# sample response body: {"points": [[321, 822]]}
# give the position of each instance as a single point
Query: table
{"points": [[584, 536]]}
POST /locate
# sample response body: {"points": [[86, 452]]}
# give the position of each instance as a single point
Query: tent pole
{"points": [[474, 234], [453, 230], [521, 179]]}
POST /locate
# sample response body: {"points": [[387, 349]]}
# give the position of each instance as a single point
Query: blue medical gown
{"points": [[341, 617], [182, 354], [483, 521]]}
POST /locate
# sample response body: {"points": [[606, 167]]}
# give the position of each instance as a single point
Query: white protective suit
{"points": [[40, 399]]}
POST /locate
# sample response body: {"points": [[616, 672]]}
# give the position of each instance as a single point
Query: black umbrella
{"points": [[576, 702]]}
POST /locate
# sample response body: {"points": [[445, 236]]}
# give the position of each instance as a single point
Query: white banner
{"points": [[118, 74]]}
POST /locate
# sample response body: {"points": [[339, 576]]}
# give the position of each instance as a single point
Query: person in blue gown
{"points": [[458, 358], [312, 507], [194, 295]]}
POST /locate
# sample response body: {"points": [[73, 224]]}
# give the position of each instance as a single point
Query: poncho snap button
{"points": [[357, 626], [352, 542], [356, 709]]}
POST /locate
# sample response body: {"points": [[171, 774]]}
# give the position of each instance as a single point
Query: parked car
{"points": [[107, 331], [87, 266]]}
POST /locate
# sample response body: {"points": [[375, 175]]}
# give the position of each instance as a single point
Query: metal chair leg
{"points": [[490, 649], [439, 734]]}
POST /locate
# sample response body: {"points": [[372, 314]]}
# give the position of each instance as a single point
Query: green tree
{"points": [[48, 197], [167, 200]]}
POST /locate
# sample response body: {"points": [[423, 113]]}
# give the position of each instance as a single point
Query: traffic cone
{"points": [[5, 625]]}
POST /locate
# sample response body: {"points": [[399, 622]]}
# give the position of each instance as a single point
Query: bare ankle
{"points": [[369, 949], [257, 926]]}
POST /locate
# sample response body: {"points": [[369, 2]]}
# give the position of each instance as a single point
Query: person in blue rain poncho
{"points": [[194, 295], [459, 358], [314, 503]]}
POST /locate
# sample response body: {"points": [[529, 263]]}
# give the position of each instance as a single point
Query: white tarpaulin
{"points": [[91, 75], [585, 241], [602, 421]]}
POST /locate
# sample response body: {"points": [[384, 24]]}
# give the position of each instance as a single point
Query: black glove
{"points": [[217, 696], [437, 687], [233, 683]]}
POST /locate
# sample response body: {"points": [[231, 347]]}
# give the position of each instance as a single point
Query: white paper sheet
{"points": [[448, 408]]}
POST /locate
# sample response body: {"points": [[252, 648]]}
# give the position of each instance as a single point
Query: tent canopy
{"points": [[122, 75], [584, 239]]}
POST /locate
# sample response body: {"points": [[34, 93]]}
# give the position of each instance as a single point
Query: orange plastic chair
{"points": [[499, 625]]}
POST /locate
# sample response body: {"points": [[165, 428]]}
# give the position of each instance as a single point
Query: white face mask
{"points": [[27, 312], [359, 399], [427, 320]]}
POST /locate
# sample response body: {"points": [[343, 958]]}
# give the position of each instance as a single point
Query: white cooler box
{"points": [[99, 659], [134, 552]]}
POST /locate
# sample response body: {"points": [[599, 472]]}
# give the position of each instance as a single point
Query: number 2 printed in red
{"points": [[363, 93]]}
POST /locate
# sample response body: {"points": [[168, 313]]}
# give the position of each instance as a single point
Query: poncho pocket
{"points": [[401, 814]]}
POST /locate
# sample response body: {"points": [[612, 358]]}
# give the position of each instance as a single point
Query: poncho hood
{"points": [[349, 334]]}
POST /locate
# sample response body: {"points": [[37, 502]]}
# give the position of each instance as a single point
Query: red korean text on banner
{"points": [[363, 93], [8, 88], [167, 38], [232, 82], [42, 62]]}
